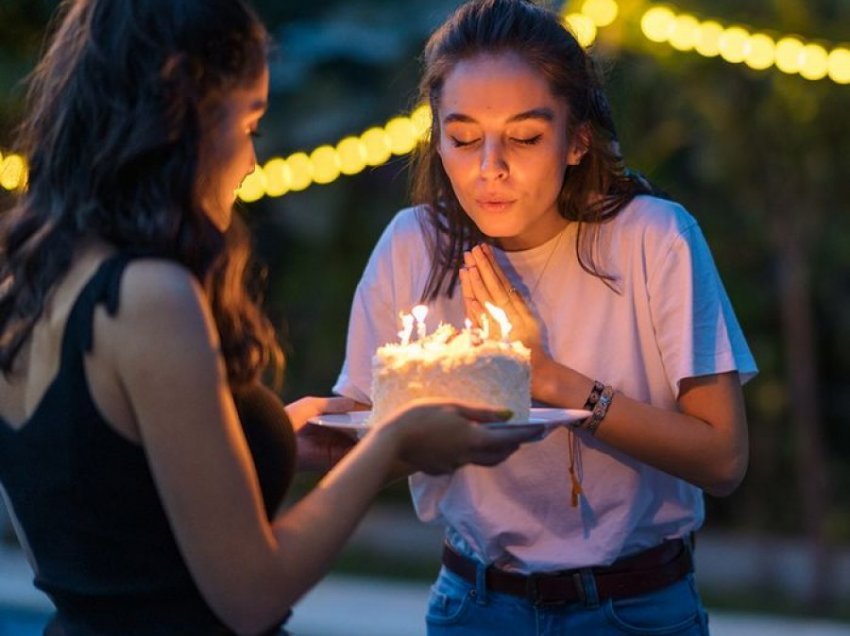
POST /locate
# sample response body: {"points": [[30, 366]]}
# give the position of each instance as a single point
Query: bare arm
{"points": [[704, 443], [164, 348]]}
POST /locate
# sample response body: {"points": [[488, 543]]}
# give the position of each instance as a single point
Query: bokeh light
{"points": [[583, 28], [658, 23], [601, 12]]}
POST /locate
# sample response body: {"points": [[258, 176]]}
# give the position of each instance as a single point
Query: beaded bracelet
{"points": [[599, 411], [593, 398]]}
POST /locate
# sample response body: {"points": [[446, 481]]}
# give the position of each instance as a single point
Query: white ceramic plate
{"points": [[355, 421], [550, 419]]}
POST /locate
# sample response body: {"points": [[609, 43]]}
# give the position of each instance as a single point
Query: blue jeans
{"points": [[459, 608]]}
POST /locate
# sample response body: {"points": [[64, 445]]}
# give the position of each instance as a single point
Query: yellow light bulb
{"points": [[253, 186], [685, 33], [734, 44], [602, 12], [325, 164], [377, 144], [421, 118], [839, 65], [583, 28], [278, 177], [657, 24], [788, 56], [402, 135], [708, 38], [814, 62], [761, 53], [352, 155], [300, 170], [13, 172]]}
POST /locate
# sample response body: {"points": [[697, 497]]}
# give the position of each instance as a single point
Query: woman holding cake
{"points": [[142, 459], [524, 203]]}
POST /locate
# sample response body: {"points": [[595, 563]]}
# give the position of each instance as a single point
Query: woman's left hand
{"points": [[302, 410], [319, 447], [482, 280]]}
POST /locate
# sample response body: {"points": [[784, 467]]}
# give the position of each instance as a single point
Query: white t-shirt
{"points": [[670, 320]]}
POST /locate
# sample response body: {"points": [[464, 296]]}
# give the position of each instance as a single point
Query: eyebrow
{"points": [[544, 114]]}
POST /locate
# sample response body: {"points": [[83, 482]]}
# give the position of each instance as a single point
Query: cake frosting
{"points": [[465, 365]]}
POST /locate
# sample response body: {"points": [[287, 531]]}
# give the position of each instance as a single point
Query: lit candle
{"points": [[407, 329], [501, 317], [419, 312]]}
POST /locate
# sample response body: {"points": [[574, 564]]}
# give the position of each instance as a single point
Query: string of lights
{"points": [[660, 24]]}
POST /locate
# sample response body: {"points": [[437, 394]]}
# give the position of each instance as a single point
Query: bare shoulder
{"points": [[161, 305], [152, 285]]}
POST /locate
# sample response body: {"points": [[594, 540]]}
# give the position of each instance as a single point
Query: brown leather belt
{"points": [[638, 574]]}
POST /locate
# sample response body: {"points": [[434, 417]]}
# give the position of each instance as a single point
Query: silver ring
{"points": [[513, 290]]}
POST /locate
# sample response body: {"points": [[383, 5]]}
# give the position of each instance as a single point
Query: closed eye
{"points": [[458, 143], [528, 141]]}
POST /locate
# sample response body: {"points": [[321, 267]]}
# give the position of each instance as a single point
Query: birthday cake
{"points": [[465, 365]]}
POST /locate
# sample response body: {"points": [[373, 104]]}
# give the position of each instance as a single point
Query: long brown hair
{"points": [[115, 114], [538, 36]]}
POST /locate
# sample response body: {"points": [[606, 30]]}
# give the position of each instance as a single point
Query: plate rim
{"points": [[546, 415]]}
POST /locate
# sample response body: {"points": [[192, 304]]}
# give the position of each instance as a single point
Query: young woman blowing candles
{"points": [[524, 203], [142, 459]]}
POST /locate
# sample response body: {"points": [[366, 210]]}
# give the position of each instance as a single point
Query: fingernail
{"points": [[505, 414]]}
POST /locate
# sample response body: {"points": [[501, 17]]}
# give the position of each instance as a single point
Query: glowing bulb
{"points": [[402, 135], [657, 23], [602, 12], [278, 177], [685, 33], [352, 155], [761, 53], [377, 144], [13, 172], [788, 54], [814, 62], [253, 187], [708, 39], [733, 44], [300, 170], [421, 118], [839, 65], [583, 28], [325, 164]]}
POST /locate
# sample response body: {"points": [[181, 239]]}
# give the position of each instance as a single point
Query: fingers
{"points": [[488, 280], [471, 305], [337, 404], [482, 413]]}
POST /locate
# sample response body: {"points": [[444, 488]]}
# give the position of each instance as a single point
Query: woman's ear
{"points": [[579, 144]]}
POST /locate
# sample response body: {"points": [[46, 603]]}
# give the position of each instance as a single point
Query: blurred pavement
{"points": [[356, 606]]}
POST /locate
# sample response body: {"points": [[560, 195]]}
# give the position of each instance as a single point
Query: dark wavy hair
{"points": [[116, 109], [593, 191]]}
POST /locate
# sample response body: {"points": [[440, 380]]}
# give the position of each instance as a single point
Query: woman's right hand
{"points": [[438, 437]]}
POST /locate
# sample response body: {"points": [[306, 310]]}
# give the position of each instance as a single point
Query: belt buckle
{"points": [[535, 594]]}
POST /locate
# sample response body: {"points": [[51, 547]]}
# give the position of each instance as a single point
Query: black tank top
{"points": [[88, 506]]}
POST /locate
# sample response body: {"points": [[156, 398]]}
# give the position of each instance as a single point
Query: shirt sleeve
{"points": [[388, 282], [696, 328]]}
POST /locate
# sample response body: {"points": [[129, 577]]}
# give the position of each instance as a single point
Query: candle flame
{"points": [[419, 312], [501, 317], [407, 328]]}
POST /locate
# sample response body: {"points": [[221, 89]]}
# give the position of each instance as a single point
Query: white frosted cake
{"points": [[460, 365]]}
